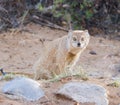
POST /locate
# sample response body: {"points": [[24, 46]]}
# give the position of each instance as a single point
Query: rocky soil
{"points": [[100, 61]]}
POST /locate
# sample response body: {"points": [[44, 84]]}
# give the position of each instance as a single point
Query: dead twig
{"points": [[47, 23]]}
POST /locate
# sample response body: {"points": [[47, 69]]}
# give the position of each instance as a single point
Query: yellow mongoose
{"points": [[59, 53]]}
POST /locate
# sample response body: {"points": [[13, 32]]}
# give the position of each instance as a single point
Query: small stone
{"points": [[93, 53], [84, 93]]}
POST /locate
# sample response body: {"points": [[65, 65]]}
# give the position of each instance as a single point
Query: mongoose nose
{"points": [[78, 44]]}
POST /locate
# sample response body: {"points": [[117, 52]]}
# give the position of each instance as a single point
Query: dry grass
{"points": [[77, 72], [115, 83]]}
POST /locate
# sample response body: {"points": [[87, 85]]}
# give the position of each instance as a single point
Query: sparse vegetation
{"points": [[78, 72], [8, 77], [115, 83]]}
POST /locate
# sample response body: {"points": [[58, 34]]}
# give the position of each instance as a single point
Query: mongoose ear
{"points": [[87, 33], [86, 30], [70, 33], [69, 37]]}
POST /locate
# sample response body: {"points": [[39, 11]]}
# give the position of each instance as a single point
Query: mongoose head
{"points": [[77, 40]]}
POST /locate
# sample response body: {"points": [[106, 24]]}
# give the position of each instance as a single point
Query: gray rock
{"points": [[22, 87], [84, 92]]}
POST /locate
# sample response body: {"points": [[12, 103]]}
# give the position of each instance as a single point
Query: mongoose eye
{"points": [[82, 39], [74, 39]]}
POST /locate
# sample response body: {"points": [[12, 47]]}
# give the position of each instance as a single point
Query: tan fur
{"points": [[60, 53]]}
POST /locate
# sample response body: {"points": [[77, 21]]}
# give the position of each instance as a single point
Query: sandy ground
{"points": [[19, 51]]}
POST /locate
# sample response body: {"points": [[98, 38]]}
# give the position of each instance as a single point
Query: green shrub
{"points": [[80, 12]]}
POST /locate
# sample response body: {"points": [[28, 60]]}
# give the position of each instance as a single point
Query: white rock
{"points": [[22, 87], [84, 92]]}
